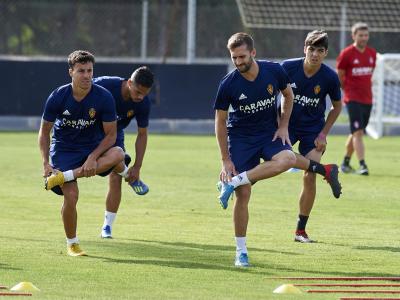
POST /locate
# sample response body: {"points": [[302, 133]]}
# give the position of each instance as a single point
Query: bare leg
{"points": [[241, 211], [349, 146], [280, 162], [240, 221], [358, 144], [114, 157], [114, 193], [112, 204], [307, 198], [68, 210], [302, 163], [308, 192]]}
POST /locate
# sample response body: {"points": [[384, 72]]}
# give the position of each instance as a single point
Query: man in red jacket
{"points": [[355, 66]]}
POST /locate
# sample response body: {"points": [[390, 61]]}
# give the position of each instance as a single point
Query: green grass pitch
{"points": [[177, 243]]}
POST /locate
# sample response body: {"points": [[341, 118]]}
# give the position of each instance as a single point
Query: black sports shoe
{"points": [[331, 176]]}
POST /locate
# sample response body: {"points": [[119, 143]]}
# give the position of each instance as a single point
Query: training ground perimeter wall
{"points": [[181, 91], [182, 97]]}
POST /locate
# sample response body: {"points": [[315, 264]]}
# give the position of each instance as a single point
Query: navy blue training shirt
{"points": [[252, 105], [310, 94], [78, 124], [126, 109]]}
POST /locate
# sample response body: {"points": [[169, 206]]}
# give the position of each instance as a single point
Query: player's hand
{"points": [[283, 134], [320, 143], [89, 167], [133, 174], [47, 169], [228, 170]]}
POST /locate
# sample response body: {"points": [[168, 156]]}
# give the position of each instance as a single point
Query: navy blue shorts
{"points": [[120, 142], [57, 189], [70, 159], [247, 151], [305, 139]]}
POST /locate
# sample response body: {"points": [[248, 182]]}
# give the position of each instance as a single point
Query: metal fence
{"points": [[147, 29], [114, 28]]}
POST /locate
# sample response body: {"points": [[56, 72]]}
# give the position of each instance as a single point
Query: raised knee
{"points": [[117, 153], [288, 160]]}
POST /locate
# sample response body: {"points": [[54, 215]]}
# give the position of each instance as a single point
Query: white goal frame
{"points": [[386, 76]]}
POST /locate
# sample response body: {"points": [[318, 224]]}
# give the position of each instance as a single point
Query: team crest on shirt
{"points": [[270, 89], [317, 89], [92, 113], [130, 113]]}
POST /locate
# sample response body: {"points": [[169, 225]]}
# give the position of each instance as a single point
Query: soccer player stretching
{"points": [[131, 101], [247, 130], [355, 66], [246, 98], [311, 81], [85, 129]]}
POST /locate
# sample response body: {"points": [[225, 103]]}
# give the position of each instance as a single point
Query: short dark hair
{"points": [[81, 57], [317, 38], [239, 39], [143, 76], [358, 26]]}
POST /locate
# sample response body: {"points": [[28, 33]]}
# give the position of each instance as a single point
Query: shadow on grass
{"points": [[178, 255], [7, 267], [206, 247], [313, 273], [202, 256], [372, 248], [181, 264], [301, 271], [390, 249], [23, 239]]}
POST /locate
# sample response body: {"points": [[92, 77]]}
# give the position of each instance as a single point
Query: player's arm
{"points": [[333, 114], [140, 150], [44, 145], [221, 133], [286, 111], [110, 136], [341, 74], [342, 64]]}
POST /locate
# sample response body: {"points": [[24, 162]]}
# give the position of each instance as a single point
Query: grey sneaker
{"points": [[363, 170], [346, 169]]}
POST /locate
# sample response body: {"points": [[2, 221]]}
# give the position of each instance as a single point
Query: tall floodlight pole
{"points": [[343, 21], [145, 14], [191, 32]]}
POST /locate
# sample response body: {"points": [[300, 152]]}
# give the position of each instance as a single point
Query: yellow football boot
{"points": [[54, 180], [75, 250]]}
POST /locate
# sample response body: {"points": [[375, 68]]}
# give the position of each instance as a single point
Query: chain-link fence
{"points": [[114, 29]]}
